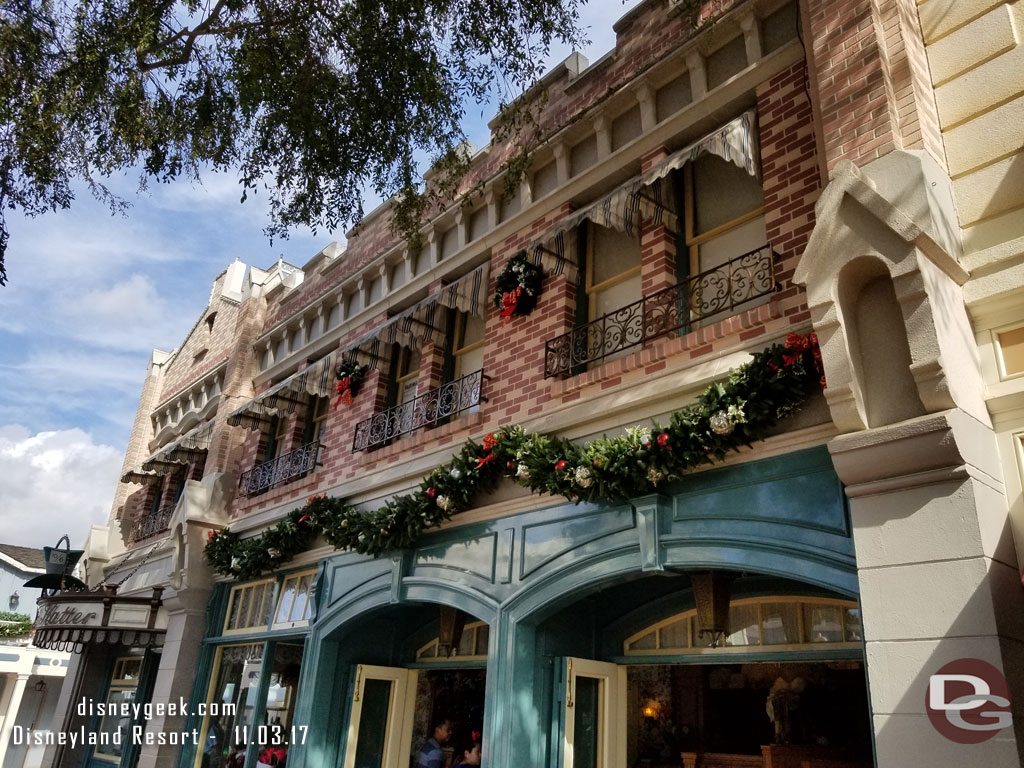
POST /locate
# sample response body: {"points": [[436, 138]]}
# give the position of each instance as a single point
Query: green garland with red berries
{"points": [[727, 416]]}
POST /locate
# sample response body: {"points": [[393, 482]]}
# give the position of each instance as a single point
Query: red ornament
{"points": [[510, 464], [561, 464], [209, 536], [431, 492], [490, 441], [663, 439]]}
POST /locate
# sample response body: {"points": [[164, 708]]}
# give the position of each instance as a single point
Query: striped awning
{"points": [[136, 477], [426, 321], [179, 451], [648, 197], [316, 379]]}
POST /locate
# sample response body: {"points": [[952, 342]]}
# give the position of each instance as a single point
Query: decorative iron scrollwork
{"points": [[281, 470], [432, 407], [716, 291]]}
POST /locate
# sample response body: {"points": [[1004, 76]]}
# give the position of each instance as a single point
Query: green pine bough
{"points": [[14, 624], [727, 416]]}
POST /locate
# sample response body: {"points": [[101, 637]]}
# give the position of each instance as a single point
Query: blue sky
{"points": [[90, 295]]}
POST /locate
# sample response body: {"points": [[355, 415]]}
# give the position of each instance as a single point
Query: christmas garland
{"points": [[350, 378], [14, 624], [725, 417], [517, 287]]}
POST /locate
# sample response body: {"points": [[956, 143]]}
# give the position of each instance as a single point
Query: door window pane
{"points": [[373, 724], [586, 716]]}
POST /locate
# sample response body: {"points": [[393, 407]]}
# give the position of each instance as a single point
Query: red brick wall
{"points": [[789, 167], [871, 79]]}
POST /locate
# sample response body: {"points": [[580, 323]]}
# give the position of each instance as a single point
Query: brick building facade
{"points": [[779, 168]]}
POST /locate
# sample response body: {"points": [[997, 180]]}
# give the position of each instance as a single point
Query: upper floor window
{"points": [[406, 366], [612, 271], [723, 213], [317, 411], [468, 344]]}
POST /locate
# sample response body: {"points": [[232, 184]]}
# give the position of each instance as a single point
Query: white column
{"points": [[11, 714]]}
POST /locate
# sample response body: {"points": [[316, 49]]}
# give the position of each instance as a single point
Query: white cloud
{"points": [[54, 483]]}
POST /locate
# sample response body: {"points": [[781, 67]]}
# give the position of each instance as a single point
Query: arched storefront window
{"points": [[777, 624]]}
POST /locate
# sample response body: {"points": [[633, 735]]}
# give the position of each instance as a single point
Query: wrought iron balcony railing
{"points": [[151, 524], [433, 407], [281, 470], [722, 289]]}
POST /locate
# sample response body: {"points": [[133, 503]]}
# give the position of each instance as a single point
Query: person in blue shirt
{"points": [[431, 755]]}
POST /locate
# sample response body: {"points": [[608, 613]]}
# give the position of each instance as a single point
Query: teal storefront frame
{"points": [[783, 518], [215, 638]]}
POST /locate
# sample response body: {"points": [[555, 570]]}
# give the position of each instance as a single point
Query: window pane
{"points": [[614, 252], [482, 634], [267, 607], [646, 642], [284, 604], [587, 723], [471, 361], [242, 615], [676, 634], [780, 623], [256, 605], [112, 724], [472, 330], [745, 238], [467, 643], [373, 724], [1011, 345], [616, 297], [285, 670], [744, 628], [300, 609], [236, 683], [723, 192], [823, 623], [854, 630]]}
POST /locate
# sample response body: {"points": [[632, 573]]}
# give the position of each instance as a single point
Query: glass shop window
{"points": [[124, 685], [230, 705]]}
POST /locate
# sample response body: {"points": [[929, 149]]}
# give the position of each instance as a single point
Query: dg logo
{"points": [[968, 701]]}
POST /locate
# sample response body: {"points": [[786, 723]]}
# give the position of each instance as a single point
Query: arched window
{"points": [[757, 624]]}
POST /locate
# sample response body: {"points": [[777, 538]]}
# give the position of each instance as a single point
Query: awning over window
{"points": [[171, 457], [316, 379], [140, 478], [426, 321], [647, 197], [182, 450]]}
